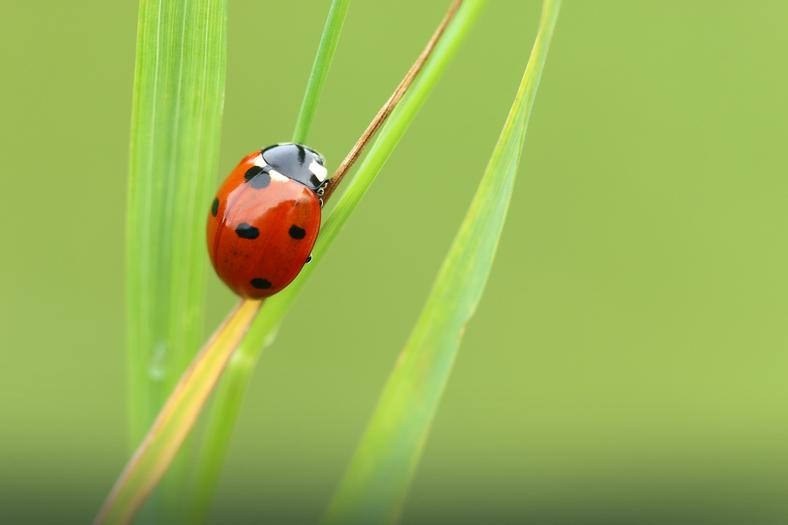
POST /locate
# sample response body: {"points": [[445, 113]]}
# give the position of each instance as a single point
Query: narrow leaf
{"points": [[323, 58], [231, 390], [375, 485], [177, 108], [176, 123]]}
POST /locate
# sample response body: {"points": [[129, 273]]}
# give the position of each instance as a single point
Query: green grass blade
{"points": [[230, 392], [176, 124], [380, 472], [323, 58]]}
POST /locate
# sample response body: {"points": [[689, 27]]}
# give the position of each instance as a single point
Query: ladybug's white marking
{"points": [[275, 175], [318, 171]]}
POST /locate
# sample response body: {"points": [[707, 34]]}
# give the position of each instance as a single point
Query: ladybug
{"points": [[265, 219]]}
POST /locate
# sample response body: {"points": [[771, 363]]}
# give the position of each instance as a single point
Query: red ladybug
{"points": [[265, 219]]}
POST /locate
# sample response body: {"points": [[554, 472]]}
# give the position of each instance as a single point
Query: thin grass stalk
{"points": [[177, 417], [317, 78]]}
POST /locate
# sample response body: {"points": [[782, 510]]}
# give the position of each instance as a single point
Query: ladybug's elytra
{"points": [[265, 219]]}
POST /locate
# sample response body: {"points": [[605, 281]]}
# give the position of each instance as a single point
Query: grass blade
{"points": [[177, 108], [176, 123], [375, 485], [175, 420], [229, 395], [323, 58]]}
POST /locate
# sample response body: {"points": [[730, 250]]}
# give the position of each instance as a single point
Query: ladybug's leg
{"points": [[322, 190]]}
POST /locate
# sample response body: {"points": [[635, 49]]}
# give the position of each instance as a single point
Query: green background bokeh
{"points": [[628, 362]]}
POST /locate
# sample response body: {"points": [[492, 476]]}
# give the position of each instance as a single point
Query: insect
{"points": [[265, 219]]}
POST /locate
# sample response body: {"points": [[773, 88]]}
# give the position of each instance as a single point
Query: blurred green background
{"points": [[628, 362]]}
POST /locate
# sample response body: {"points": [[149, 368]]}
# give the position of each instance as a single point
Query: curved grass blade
{"points": [[176, 123], [323, 58], [230, 392], [375, 485], [175, 420]]}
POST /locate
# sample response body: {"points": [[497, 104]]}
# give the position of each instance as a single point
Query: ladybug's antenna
{"points": [[391, 103]]}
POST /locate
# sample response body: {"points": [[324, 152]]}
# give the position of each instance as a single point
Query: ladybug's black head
{"points": [[297, 162]]}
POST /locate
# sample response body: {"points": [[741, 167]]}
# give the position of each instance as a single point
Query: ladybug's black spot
{"points": [[257, 177], [215, 206], [260, 284], [308, 259], [251, 172], [296, 232], [247, 231]]}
